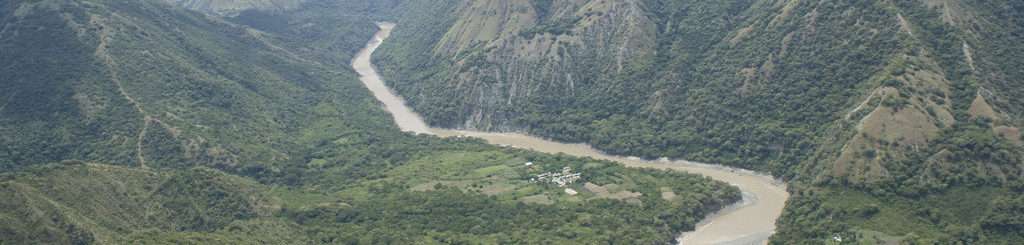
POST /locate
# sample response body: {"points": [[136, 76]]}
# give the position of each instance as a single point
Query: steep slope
{"points": [[89, 203], [591, 71], [929, 111], [906, 98], [138, 84]]}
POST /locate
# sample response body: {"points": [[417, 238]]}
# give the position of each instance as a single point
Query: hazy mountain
{"points": [[233, 7]]}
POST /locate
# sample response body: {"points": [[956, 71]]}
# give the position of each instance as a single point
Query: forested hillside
{"points": [[147, 85], [881, 113], [143, 122]]}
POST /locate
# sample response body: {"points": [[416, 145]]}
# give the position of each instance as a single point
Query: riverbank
{"points": [[751, 221]]}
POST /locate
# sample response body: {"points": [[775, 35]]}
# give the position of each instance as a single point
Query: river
{"points": [[751, 221]]}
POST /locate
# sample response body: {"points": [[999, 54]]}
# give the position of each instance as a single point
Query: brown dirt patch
{"points": [[981, 108], [1010, 133]]}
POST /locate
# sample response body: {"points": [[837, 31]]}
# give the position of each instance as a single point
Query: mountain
{"points": [[234, 7], [139, 84], [147, 122], [898, 103], [89, 203], [239, 121]]}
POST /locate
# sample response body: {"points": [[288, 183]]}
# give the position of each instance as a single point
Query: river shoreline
{"points": [[750, 221]]}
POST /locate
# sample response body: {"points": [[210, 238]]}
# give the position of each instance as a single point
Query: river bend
{"points": [[752, 221]]}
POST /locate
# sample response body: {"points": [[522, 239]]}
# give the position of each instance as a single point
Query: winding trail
{"points": [[751, 221], [108, 60]]}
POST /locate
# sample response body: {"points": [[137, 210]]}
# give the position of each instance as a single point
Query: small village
{"points": [[562, 179]]}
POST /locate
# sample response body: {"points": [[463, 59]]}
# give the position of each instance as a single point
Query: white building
{"points": [[566, 177]]}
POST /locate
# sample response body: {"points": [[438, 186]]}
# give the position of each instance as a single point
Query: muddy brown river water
{"points": [[751, 221]]}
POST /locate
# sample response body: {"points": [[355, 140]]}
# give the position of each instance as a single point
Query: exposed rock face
{"points": [[751, 81], [509, 52]]}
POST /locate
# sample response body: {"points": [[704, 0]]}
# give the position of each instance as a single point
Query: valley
{"points": [[752, 220], [511, 122], [210, 122], [898, 103]]}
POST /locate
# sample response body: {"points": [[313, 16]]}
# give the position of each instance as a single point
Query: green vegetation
{"points": [[91, 203], [542, 7], [481, 196], [958, 216], [144, 84], [683, 102], [140, 123], [555, 27], [470, 196], [893, 121]]}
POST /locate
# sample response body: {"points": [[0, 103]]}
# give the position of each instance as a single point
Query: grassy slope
{"points": [[101, 203]]}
